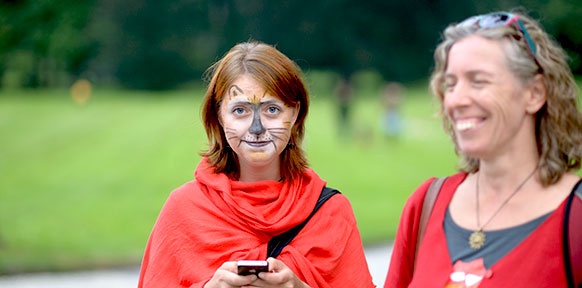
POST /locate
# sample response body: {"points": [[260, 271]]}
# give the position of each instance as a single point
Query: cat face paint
{"points": [[257, 125]]}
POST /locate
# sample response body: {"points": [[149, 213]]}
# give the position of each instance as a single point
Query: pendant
{"points": [[477, 239]]}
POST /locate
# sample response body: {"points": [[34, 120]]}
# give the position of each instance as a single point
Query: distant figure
{"points": [[81, 91], [391, 96], [344, 93]]}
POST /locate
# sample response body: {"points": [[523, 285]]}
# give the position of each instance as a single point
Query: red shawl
{"points": [[214, 219]]}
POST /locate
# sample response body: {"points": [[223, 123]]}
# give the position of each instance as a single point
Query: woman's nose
{"points": [[256, 126], [457, 95]]}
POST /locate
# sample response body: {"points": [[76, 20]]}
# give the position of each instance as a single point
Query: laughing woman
{"points": [[509, 102], [253, 184]]}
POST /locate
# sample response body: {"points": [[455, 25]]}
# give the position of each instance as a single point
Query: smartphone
{"points": [[248, 267]]}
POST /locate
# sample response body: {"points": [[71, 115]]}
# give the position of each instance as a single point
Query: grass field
{"points": [[81, 185]]}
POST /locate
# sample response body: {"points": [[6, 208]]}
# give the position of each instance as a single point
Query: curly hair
{"points": [[558, 122], [279, 76]]}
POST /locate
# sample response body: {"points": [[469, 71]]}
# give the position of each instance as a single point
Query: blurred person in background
{"points": [[344, 93], [391, 95], [509, 102], [252, 184]]}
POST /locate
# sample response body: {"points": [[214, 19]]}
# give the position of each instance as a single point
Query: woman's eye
{"points": [[238, 111], [479, 82], [273, 109]]}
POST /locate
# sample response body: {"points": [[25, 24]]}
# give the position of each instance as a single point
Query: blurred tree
{"points": [[161, 44], [563, 18], [154, 44], [559, 17], [345, 36], [49, 35]]}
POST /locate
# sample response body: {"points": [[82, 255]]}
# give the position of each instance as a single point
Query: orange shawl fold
{"points": [[213, 219]]}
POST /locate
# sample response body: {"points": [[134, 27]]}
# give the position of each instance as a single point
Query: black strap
{"points": [[572, 237], [278, 242]]}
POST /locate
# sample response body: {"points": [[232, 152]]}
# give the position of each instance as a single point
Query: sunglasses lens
{"points": [[487, 21], [498, 19], [494, 20]]}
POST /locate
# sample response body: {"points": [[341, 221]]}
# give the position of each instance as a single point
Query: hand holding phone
{"points": [[248, 267]]}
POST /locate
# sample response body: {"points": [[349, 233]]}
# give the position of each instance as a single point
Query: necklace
{"points": [[477, 238]]}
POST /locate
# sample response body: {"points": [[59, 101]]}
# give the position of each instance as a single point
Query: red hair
{"points": [[279, 76]]}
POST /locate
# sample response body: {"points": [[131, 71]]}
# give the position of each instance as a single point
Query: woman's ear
{"points": [[537, 95]]}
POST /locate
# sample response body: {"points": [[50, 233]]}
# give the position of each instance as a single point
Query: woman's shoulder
{"points": [[183, 193], [339, 200], [449, 183], [338, 205]]}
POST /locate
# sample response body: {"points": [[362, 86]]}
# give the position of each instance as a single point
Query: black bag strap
{"points": [[572, 237], [278, 242], [429, 199]]}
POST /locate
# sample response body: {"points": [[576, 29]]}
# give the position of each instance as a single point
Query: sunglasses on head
{"points": [[499, 19]]}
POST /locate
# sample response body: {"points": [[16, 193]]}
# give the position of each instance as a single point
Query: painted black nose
{"points": [[257, 127]]}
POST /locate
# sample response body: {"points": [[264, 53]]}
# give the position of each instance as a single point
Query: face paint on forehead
{"points": [[234, 91], [256, 100]]}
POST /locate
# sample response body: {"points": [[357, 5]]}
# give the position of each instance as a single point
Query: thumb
{"points": [[274, 264]]}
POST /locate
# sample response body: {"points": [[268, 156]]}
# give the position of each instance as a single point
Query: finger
{"points": [[275, 265], [245, 280], [227, 273], [230, 266], [238, 280], [274, 276], [279, 273]]}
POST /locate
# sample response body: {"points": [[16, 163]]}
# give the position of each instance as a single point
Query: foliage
{"points": [[50, 34], [149, 44], [159, 45]]}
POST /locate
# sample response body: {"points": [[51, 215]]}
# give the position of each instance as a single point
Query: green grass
{"points": [[81, 185]]}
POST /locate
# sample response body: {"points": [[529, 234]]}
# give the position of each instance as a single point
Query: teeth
{"points": [[461, 126]]}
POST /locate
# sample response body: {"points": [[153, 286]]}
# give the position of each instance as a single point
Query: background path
{"points": [[378, 258]]}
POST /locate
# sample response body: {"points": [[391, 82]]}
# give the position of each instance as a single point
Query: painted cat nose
{"points": [[256, 126]]}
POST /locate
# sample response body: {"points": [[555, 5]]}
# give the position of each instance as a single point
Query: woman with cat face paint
{"points": [[253, 184]]}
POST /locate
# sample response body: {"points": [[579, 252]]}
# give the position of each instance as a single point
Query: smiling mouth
{"points": [[258, 143], [464, 125]]}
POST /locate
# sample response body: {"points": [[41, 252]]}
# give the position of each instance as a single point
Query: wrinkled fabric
{"points": [[213, 219], [537, 261]]}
